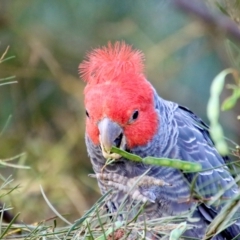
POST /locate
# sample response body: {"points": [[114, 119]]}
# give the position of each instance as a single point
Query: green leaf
{"points": [[231, 101], [213, 111], [84, 218]]}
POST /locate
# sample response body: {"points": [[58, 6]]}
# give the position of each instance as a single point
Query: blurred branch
{"points": [[217, 21]]}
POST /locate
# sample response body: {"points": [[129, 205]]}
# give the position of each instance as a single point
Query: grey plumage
{"points": [[181, 135]]}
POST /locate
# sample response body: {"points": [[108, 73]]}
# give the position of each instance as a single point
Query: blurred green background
{"points": [[49, 38]]}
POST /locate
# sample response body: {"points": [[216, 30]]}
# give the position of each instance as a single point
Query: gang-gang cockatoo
{"points": [[124, 110]]}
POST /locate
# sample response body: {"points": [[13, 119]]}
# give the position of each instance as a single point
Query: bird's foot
{"points": [[137, 187]]}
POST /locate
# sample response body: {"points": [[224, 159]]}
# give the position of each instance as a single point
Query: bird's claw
{"points": [[131, 186]]}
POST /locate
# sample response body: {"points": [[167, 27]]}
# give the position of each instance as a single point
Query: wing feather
{"points": [[195, 144]]}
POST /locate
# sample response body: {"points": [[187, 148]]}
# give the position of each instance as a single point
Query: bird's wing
{"points": [[195, 144]]}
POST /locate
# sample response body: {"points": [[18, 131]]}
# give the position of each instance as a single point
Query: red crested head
{"points": [[108, 63], [118, 90]]}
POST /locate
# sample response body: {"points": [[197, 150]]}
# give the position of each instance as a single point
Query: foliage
{"points": [[42, 115], [213, 110]]}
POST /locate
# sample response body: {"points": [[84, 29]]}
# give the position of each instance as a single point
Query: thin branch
{"points": [[4, 54], [215, 20]]}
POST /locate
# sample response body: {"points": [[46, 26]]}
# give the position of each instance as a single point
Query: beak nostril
{"points": [[118, 140]]}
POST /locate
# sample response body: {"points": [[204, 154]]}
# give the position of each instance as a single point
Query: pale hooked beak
{"points": [[111, 134]]}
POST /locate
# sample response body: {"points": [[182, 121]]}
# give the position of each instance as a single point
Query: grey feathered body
{"points": [[181, 135]]}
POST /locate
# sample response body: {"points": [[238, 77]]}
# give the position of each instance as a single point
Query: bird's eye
{"points": [[87, 114], [134, 116]]}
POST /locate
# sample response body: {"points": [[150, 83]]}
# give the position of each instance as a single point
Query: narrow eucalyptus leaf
{"points": [[213, 111]]}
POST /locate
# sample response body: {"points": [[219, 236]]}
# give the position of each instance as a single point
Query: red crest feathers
{"points": [[108, 63]]}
